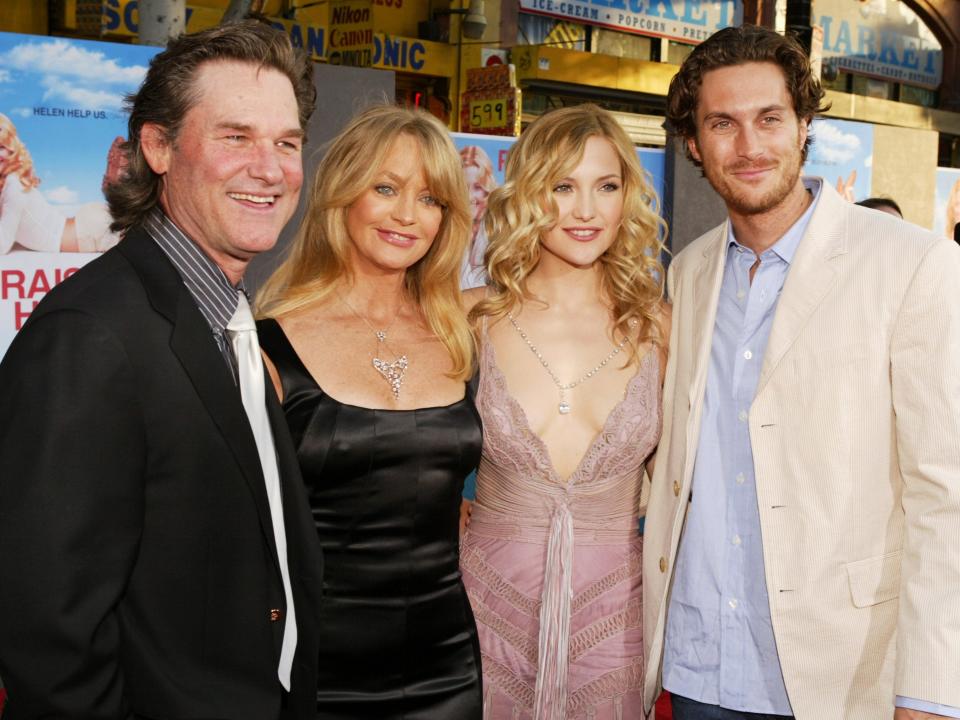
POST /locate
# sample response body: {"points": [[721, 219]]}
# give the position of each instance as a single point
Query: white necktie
{"points": [[243, 337]]}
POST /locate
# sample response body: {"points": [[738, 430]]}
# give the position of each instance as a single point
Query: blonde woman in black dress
{"points": [[370, 352]]}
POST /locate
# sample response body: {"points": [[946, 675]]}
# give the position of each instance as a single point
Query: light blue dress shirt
{"points": [[719, 647]]}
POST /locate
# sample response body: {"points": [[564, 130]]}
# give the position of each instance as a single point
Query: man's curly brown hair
{"points": [[736, 46]]}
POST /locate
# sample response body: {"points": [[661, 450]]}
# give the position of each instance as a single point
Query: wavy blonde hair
{"points": [[19, 163], [522, 210], [319, 258]]}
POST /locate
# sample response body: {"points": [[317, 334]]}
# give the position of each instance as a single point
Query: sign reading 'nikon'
{"points": [[351, 33]]}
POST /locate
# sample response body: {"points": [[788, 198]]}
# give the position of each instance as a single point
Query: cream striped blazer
{"points": [[855, 431]]}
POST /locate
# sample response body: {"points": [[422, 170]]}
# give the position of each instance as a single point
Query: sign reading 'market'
{"points": [[688, 21], [879, 38]]}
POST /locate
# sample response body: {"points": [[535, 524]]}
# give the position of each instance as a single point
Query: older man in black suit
{"points": [[158, 556]]}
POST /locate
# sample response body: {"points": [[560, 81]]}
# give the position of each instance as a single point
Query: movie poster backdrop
{"points": [[60, 112]]}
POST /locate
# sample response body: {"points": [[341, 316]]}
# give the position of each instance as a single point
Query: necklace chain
{"points": [[392, 372], [564, 405]]}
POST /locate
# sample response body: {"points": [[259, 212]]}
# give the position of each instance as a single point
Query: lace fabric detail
{"points": [[515, 447], [628, 618], [472, 561], [630, 570], [518, 638], [609, 687], [506, 681]]}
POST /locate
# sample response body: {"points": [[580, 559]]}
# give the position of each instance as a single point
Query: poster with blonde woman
{"points": [[482, 158], [62, 126], [946, 212]]}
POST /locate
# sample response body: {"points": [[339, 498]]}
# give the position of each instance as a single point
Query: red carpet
{"points": [[663, 707]]}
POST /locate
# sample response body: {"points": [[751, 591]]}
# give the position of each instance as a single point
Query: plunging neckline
{"points": [[537, 440]]}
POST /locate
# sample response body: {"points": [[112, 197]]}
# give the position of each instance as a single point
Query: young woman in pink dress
{"points": [[573, 336]]}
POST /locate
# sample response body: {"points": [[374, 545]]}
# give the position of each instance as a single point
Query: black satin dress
{"points": [[397, 636]]}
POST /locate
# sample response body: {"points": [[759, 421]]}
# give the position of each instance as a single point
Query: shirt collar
{"points": [[208, 284], [786, 247]]}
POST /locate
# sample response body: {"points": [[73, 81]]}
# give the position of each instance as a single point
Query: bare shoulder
{"points": [[274, 375], [472, 296]]}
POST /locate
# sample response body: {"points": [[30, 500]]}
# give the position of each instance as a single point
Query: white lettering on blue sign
{"points": [[399, 53], [887, 41], [689, 21]]}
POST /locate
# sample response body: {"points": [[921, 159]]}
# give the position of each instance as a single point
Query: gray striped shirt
{"points": [[208, 285]]}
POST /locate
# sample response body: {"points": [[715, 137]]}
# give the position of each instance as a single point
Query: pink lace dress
{"points": [[552, 567]]}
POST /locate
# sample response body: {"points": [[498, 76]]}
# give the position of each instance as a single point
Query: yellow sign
{"points": [[494, 112], [486, 114], [411, 55], [312, 38], [351, 33], [122, 17]]}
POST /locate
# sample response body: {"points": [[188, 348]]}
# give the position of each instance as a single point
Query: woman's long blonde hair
{"points": [[19, 163], [319, 257], [522, 210]]}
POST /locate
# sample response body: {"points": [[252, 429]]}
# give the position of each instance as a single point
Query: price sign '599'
{"points": [[491, 104], [488, 113]]}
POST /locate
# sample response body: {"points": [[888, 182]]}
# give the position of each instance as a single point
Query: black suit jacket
{"points": [[138, 569]]}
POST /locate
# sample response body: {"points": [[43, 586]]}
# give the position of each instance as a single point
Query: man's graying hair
{"points": [[168, 92], [736, 46]]}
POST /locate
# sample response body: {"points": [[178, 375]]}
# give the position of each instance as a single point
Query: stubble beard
{"points": [[744, 201]]}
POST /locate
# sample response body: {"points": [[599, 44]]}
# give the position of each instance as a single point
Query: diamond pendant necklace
{"points": [[564, 406], [392, 372]]}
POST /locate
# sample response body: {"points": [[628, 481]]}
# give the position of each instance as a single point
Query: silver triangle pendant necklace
{"points": [[394, 371]]}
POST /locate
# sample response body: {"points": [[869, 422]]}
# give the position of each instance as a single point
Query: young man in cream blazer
{"points": [[802, 542]]}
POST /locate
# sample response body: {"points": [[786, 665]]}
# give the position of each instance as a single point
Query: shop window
{"points": [[677, 52], [918, 96], [948, 151], [872, 87], [841, 83], [621, 44], [540, 30]]}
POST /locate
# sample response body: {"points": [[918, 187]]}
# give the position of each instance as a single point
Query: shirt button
{"points": [[742, 416], [741, 479], [676, 488], [663, 564], [741, 294], [736, 540], [276, 614], [747, 355], [733, 603]]}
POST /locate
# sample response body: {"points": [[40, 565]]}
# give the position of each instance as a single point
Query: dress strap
{"points": [[473, 383], [275, 343]]}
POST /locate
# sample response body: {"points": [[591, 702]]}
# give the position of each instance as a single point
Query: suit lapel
{"points": [[706, 294], [809, 280], [191, 342]]}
